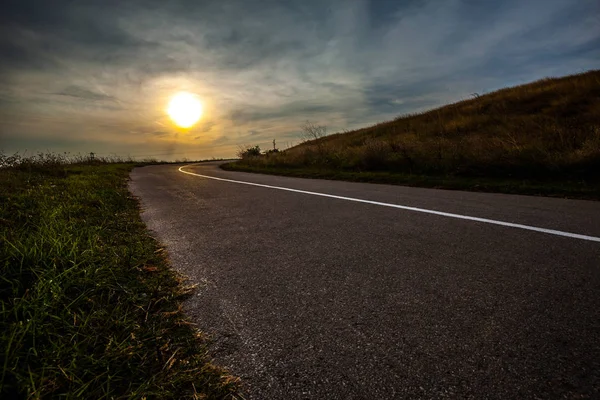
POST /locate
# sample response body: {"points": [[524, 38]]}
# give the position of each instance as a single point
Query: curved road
{"points": [[324, 297]]}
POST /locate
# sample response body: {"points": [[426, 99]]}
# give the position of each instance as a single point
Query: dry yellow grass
{"points": [[547, 130]]}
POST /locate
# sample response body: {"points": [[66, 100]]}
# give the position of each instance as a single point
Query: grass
{"points": [[90, 307], [539, 138], [510, 186]]}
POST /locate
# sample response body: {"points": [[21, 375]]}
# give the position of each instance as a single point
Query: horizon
{"points": [[98, 76]]}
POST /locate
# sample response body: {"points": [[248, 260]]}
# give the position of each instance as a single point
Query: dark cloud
{"points": [[298, 109], [18, 55], [44, 35]]}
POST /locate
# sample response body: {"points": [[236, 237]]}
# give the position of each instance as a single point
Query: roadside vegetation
{"points": [[539, 138], [90, 307]]}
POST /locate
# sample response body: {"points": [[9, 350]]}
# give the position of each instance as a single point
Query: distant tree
{"points": [[311, 131]]}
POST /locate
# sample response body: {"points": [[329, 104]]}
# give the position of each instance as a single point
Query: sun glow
{"points": [[185, 109]]}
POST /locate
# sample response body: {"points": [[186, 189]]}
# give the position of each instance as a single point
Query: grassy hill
{"points": [[537, 138]]}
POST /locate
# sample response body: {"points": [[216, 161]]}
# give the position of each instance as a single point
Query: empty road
{"points": [[325, 297]]}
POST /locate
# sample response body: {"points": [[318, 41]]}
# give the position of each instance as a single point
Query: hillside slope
{"points": [[545, 134]]}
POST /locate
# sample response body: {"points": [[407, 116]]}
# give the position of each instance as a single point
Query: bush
{"points": [[246, 152]]}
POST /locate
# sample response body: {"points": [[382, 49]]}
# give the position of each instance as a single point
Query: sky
{"points": [[96, 75]]}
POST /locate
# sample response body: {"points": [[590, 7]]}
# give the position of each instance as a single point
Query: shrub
{"points": [[246, 152]]}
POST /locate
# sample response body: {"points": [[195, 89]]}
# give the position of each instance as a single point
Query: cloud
{"points": [[205, 126], [105, 69], [82, 93]]}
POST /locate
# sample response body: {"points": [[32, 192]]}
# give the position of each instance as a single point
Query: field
{"points": [[539, 138], [90, 307]]}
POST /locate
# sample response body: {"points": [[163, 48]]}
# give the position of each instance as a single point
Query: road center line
{"points": [[422, 210]]}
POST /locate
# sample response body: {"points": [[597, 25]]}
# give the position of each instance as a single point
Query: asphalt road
{"points": [[311, 297]]}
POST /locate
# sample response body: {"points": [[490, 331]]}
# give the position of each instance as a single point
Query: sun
{"points": [[185, 109]]}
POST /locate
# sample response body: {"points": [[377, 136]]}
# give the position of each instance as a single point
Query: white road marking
{"points": [[422, 210]]}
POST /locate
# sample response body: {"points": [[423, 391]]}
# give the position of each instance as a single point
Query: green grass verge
{"points": [[565, 189], [89, 306]]}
